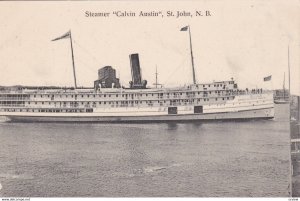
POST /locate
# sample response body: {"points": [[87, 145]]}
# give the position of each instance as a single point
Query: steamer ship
{"points": [[107, 101]]}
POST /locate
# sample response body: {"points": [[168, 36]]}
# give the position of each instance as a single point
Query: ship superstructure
{"points": [[217, 100]]}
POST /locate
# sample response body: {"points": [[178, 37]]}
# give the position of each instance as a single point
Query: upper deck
{"points": [[214, 86], [196, 94]]}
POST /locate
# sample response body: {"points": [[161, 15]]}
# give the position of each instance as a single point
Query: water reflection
{"points": [[172, 126]]}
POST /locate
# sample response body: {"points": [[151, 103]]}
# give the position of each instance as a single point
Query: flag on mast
{"points": [[66, 35], [184, 28], [268, 78]]}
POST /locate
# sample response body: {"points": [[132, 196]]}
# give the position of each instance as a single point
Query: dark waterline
{"points": [[248, 158]]}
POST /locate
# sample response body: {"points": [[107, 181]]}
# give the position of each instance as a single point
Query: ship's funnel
{"points": [[135, 69], [136, 72]]}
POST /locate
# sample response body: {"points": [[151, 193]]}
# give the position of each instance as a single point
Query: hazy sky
{"points": [[246, 40]]}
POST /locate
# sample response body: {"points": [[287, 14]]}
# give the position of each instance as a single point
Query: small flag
{"points": [[66, 35], [267, 78], [184, 28]]}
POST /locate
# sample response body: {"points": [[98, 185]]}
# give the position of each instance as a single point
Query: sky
{"points": [[245, 40]]}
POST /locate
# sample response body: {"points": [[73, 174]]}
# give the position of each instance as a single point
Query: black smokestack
{"points": [[135, 69]]}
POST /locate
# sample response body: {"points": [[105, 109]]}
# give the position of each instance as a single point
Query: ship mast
{"points": [[156, 77], [192, 57], [289, 71], [69, 35], [74, 73], [191, 49], [284, 86]]}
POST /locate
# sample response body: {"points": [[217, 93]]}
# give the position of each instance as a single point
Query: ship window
{"points": [[172, 110], [100, 103], [43, 103], [104, 103], [223, 99], [35, 102], [88, 96], [41, 96], [81, 96], [104, 95], [89, 110], [216, 99], [198, 109], [117, 95], [204, 85], [34, 96], [209, 85], [108, 95]]}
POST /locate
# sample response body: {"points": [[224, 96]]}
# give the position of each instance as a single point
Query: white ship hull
{"points": [[266, 113]]}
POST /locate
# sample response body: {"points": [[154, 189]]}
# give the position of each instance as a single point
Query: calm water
{"points": [[178, 159]]}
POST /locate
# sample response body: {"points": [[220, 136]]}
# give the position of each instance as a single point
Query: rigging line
{"points": [[173, 72], [86, 51], [86, 64], [164, 44]]}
